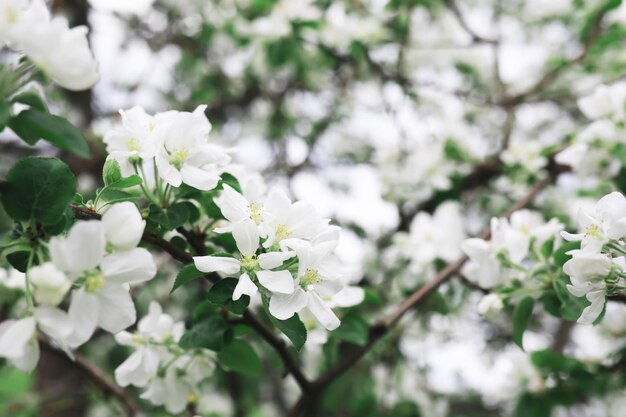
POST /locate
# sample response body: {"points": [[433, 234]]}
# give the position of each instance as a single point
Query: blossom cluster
{"points": [[96, 262], [175, 143], [168, 374], [598, 268], [285, 251], [61, 52]]}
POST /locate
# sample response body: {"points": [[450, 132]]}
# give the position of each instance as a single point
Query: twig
{"points": [[96, 374]]}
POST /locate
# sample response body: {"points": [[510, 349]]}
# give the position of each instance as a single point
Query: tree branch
{"points": [[93, 372]]}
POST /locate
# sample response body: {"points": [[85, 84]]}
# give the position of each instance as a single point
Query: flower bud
{"points": [[490, 305], [50, 284]]}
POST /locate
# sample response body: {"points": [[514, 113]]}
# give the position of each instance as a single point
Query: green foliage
{"points": [[221, 294], [240, 357], [34, 124], [211, 332], [38, 189], [521, 317], [112, 176], [186, 274], [293, 327], [353, 329]]}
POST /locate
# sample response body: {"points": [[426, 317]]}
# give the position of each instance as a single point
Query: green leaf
{"points": [[521, 316], [561, 256], [187, 274], [114, 195], [533, 405], [551, 361], [112, 176], [293, 327], [5, 114], [174, 216], [19, 260], [353, 329], [32, 99], [221, 293], [240, 357], [211, 333], [34, 123], [39, 189]]}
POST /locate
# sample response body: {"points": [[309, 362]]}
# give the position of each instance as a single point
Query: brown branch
{"points": [[381, 328], [476, 38], [97, 375], [250, 319]]}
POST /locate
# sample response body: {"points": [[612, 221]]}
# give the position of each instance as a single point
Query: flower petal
{"points": [[131, 266], [117, 311], [322, 311], [277, 281], [228, 266], [246, 234], [244, 286], [283, 306]]}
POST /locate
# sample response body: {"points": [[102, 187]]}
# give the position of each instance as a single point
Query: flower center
{"points": [[256, 212], [282, 232], [593, 231], [132, 144], [178, 157], [11, 14], [249, 263], [94, 281], [310, 276]]}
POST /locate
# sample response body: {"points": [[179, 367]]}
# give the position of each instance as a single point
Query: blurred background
{"points": [[374, 111]]}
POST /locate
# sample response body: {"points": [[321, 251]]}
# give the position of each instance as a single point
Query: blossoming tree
{"points": [[384, 207]]}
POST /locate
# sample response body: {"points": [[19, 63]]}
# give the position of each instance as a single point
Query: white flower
{"points": [[184, 154], [606, 101], [50, 284], [133, 140], [18, 338], [533, 224], [607, 222], [246, 236], [237, 207], [490, 305], [587, 271], [484, 267], [103, 298], [317, 281], [12, 279], [123, 226], [153, 330]]}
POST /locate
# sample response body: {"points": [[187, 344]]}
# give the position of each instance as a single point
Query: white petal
{"points": [[199, 178], [322, 311], [123, 225], [244, 286], [273, 260], [117, 311], [131, 266], [83, 313], [284, 306], [228, 266], [15, 336], [348, 297], [168, 172], [592, 312], [82, 249], [232, 204], [246, 234], [276, 281]]}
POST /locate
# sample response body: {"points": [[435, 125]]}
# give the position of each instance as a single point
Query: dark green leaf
{"points": [[39, 189], [112, 176], [54, 129], [221, 293], [5, 114], [187, 274], [561, 256], [521, 316], [293, 328], [19, 260], [114, 195], [533, 405], [211, 333], [240, 357], [32, 99], [353, 329]]}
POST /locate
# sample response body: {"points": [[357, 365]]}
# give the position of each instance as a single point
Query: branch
{"points": [[381, 328], [476, 38], [97, 375], [184, 257]]}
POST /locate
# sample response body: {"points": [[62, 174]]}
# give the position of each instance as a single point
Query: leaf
{"points": [[293, 328], [533, 405], [114, 195], [551, 361], [221, 293], [19, 260], [187, 274], [112, 176], [40, 189], [211, 333], [561, 256], [521, 316], [174, 216], [240, 357], [5, 114], [34, 123], [353, 329], [32, 99]]}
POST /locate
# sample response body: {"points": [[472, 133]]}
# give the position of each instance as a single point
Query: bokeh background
{"points": [[372, 110]]}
